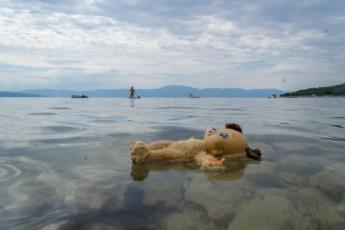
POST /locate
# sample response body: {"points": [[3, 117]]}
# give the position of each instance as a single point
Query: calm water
{"points": [[64, 164]]}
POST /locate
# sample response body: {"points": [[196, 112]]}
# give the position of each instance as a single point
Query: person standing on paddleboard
{"points": [[132, 92]]}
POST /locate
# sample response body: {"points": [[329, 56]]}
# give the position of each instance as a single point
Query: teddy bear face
{"points": [[224, 141]]}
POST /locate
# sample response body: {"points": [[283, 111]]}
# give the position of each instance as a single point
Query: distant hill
{"points": [[51, 92], [336, 90], [166, 91], [15, 94], [184, 91]]}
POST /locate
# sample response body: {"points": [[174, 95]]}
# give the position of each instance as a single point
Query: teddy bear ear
{"points": [[233, 126]]}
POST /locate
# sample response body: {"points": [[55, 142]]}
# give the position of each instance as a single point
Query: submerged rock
{"points": [[296, 170], [341, 207], [168, 190], [264, 180], [219, 199], [331, 181], [268, 211], [261, 167], [319, 208], [186, 219]]}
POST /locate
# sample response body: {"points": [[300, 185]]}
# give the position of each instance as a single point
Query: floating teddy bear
{"points": [[209, 152]]}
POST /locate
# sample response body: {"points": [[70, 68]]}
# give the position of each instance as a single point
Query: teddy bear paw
{"points": [[135, 142], [139, 152]]}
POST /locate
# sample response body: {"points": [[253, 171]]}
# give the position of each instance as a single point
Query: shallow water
{"points": [[64, 164]]}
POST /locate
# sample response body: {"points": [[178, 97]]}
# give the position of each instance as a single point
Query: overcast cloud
{"points": [[93, 44]]}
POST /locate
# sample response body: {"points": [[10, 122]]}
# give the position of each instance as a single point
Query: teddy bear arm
{"points": [[165, 154], [207, 161]]}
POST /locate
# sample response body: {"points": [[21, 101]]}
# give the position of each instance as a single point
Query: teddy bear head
{"points": [[224, 141]]}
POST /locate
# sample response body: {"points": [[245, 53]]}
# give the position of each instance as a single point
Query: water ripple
{"points": [[338, 126], [181, 117], [333, 138], [338, 117], [13, 167], [228, 109], [104, 121], [178, 107], [8, 171], [60, 129], [67, 140], [60, 108], [42, 114]]}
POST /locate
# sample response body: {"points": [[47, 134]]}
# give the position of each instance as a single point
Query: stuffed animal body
{"points": [[206, 152]]}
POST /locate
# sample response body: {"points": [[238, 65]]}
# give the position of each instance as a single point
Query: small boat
{"points": [[79, 96], [193, 96]]}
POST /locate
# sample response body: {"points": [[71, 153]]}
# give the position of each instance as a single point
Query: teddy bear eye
{"points": [[224, 135], [211, 131]]}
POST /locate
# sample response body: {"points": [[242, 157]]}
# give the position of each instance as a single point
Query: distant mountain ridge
{"points": [[335, 90], [16, 94], [166, 91]]}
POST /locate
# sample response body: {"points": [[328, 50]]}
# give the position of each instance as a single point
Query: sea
{"points": [[65, 164]]}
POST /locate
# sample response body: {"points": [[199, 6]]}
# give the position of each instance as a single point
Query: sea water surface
{"points": [[65, 164]]}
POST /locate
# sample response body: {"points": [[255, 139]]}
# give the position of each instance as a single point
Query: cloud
{"points": [[85, 44]]}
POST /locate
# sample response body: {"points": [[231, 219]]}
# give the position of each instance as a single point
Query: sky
{"points": [[109, 44]]}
